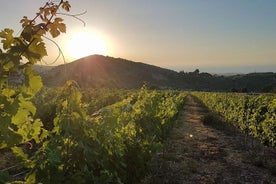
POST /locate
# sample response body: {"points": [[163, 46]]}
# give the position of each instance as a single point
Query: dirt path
{"points": [[199, 154]]}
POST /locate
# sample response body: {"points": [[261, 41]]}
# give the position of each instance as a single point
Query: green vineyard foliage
{"points": [[47, 101], [112, 145], [254, 115]]}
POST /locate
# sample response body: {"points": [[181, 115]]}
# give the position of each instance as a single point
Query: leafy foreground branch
{"points": [[111, 146], [18, 82]]}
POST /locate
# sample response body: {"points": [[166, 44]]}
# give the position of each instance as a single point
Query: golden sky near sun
{"points": [[84, 43]]}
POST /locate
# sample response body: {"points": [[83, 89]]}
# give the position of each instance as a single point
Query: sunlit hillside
{"points": [[101, 71]]}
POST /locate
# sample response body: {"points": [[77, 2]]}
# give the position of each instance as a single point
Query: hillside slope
{"points": [[101, 71], [98, 71]]}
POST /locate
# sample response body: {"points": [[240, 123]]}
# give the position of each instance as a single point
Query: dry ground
{"points": [[199, 154]]}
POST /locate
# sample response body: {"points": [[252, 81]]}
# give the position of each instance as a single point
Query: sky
{"points": [[217, 36]]}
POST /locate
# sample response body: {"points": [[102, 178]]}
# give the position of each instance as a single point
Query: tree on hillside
{"points": [[196, 71], [181, 72]]}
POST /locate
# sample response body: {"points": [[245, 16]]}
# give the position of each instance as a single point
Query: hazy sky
{"points": [[212, 35]]}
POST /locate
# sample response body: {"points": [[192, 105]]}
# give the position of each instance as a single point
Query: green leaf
{"points": [[65, 104], [19, 153], [54, 156], [33, 83], [27, 33], [7, 36], [8, 66], [28, 105], [31, 178], [25, 21], [36, 51], [25, 110], [9, 138], [21, 117], [37, 125], [8, 92]]}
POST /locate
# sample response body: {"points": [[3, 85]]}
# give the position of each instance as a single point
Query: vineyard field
{"points": [[254, 115], [204, 149], [103, 135], [96, 136], [105, 120]]}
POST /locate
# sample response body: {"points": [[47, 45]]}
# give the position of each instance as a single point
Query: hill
{"points": [[42, 69], [98, 71]]}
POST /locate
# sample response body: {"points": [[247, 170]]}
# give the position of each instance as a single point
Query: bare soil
{"points": [[197, 154]]}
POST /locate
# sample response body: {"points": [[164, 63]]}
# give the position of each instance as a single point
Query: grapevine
{"points": [[19, 130], [254, 115]]}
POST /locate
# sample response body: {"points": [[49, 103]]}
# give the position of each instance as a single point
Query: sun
{"points": [[85, 43]]}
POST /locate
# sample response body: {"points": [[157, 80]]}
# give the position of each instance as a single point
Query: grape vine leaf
{"points": [[56, 27], [7, 36], [66, 6]]}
